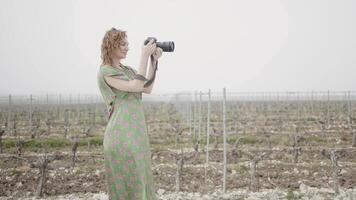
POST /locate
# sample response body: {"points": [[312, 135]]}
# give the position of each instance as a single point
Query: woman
{"points": [[127, 156]]}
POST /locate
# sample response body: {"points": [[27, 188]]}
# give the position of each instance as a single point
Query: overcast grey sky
{"points": [[252, 45]]}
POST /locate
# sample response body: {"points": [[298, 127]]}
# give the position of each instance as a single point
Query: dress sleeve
{"points": [[134, 70], [106, 90]]}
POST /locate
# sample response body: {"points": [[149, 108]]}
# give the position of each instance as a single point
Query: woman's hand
{"points": [[157, 53], [149, 48]]}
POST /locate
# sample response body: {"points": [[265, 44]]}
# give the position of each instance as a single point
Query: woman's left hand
{"points": [[157, 53]]}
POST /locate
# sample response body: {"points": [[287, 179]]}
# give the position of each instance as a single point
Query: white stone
{"points": [[160, 191]]}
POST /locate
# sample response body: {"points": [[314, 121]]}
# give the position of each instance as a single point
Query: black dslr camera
{"points": [[165, 46]]}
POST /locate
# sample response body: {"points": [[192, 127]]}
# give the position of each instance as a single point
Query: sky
{"points": [[243, 46]]}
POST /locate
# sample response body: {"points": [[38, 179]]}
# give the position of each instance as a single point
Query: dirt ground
{"points": [[18, 179]]}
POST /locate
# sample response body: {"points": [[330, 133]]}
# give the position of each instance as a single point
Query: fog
{"points": [[255, 45]]}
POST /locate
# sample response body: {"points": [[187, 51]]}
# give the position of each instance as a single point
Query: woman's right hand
{"points": [[149, 48]]}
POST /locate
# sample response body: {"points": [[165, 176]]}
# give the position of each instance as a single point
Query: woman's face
{"points": [[121, 52]]}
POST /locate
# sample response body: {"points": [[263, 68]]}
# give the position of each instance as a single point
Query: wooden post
{"points": [[207, 140], [95, 108], [224, 138], [194, 117], [200, 118], [9, 121], [2, 131], [78, 110], [30, 114], [328, 110], [335, 170], [298, 103], [349, 110], [190, 117], [312, 102]]}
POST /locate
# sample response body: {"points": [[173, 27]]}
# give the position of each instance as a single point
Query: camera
{"points": [[167, 46]]}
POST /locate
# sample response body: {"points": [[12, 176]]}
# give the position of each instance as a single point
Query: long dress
{"points": [[127, 155]]}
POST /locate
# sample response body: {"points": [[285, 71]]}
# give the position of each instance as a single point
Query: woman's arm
{"points": [[134, 85], [156, 55], [148, 89]]}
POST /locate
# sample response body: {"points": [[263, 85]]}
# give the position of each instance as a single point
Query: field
{"points": [[275, 148]]}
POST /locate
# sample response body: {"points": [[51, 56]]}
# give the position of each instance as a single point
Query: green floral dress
{"points": [[127, 155]]}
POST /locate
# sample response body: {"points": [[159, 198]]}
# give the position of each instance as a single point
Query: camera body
{"points": [[167, 46]]}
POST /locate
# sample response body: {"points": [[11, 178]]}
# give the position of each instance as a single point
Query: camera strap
{"points": [[149, 82]]}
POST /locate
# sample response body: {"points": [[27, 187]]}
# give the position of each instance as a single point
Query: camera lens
{"points": [[167, 46]]}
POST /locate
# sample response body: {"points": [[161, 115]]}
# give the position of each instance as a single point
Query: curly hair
{"points": [[113, 39]]}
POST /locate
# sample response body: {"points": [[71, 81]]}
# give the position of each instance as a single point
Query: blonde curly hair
{"points": [[113, 38]]}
